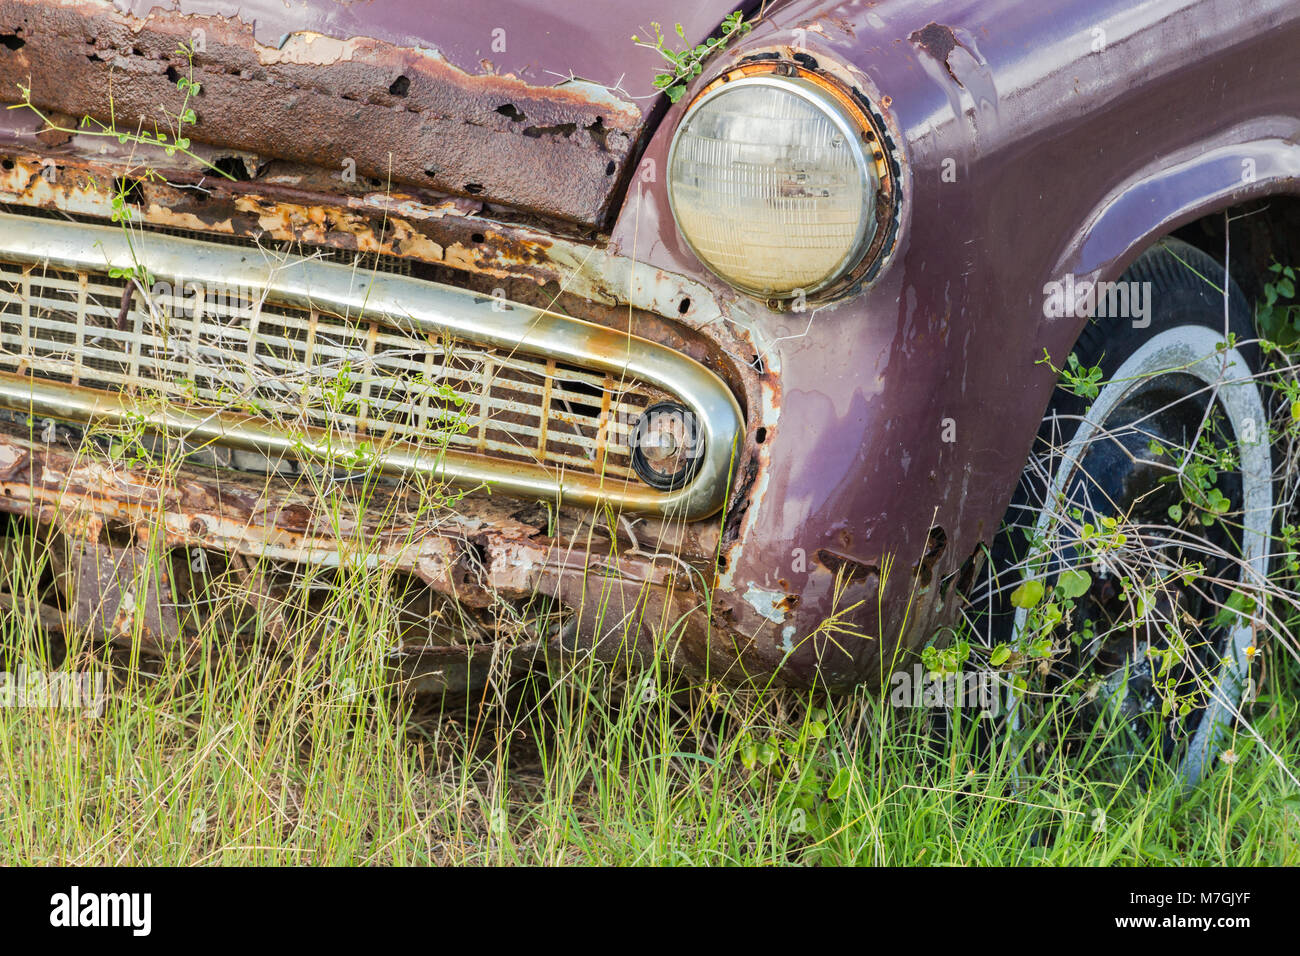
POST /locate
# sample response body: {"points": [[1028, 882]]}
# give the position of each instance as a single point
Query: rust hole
{"points": [[598, 132], [963, 579], [400, 86], [849, 569], [12, 41], [233, 166], [563, 129], [172, 74], [511, 112], [472, 188], [131, 190], [684, 306], [935, 545], [760, 436]]}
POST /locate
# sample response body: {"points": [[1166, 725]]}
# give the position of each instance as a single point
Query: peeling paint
{"points": [[787, 638], [770, 604]]}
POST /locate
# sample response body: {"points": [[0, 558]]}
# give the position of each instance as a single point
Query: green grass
{"points": [[249, 753]]}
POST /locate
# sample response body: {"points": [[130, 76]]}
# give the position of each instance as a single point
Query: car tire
{"points": [[1132, 453]]}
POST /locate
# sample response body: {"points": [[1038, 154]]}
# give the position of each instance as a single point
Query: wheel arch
{"points": [[1241, 166], [1183, 194], [1186, 195]]}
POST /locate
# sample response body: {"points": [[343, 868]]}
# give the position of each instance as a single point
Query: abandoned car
{"points": [[736, 356]]}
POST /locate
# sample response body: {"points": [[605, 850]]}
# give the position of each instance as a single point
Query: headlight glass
{"points": [[771, 185]]}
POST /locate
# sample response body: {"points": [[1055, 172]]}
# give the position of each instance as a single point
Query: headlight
{"points": [[774, 181]]}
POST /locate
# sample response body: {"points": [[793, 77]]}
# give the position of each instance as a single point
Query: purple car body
{"points": [[884, 431]]}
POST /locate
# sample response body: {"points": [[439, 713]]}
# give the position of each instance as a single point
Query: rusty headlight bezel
{"points": [[865, 130]]}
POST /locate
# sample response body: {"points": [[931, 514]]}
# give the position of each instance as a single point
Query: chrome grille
{"points": [[368, 379]]}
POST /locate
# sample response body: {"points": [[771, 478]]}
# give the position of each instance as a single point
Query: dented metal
{"points": [[477, 551]]}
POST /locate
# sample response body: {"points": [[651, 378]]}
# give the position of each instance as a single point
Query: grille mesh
{"points": [[235, 350]]}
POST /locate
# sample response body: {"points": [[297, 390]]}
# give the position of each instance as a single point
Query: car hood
{"points": [[538, 104], [539, 41]]}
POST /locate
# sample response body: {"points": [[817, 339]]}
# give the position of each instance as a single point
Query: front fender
{"points": [[1031, 146]]}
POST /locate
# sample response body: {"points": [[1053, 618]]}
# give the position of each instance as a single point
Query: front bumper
{"points": [[139, 531]]}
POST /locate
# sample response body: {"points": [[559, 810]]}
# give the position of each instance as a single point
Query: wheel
{"points": [[1137, 546]]}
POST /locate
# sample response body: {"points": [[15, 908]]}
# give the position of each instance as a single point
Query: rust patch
{"points": [[477, 553], [396, 114], [939, 41], [118, 591], [850, 569]]}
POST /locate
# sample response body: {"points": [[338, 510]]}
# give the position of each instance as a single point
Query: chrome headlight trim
{"points": [[863, 132]]}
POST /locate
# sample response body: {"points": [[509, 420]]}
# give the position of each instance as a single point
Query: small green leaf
{"points": [[1000, 655], [1073, 583], [1235, 610], [748, 752], [1028, 595], [840, 785]]}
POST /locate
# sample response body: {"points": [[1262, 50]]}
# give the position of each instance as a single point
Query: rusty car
{"points": [[739, 365]]}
